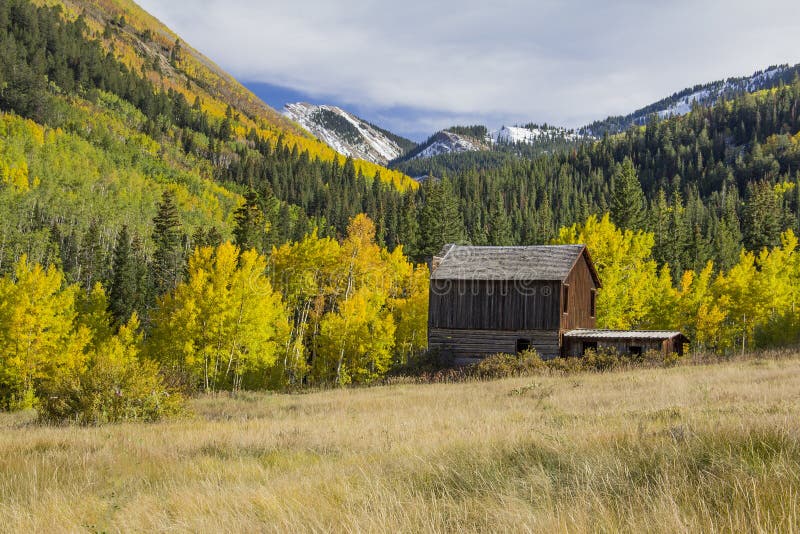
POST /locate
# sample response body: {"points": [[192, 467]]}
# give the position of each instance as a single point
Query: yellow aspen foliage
{"points": [[625, 266], [696, 300], [17, 177], [320, 278], [741, 305], [356, 341], [116, 385], [38, 335], [662, 310], [410, 310], [224, 327]]}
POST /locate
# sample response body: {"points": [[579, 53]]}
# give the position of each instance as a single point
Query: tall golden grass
{"points": [[684, 449]]}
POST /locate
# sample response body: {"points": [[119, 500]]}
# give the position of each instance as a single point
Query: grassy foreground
{"points": [[692, 448]]}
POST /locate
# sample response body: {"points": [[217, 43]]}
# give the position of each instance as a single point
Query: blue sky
{"points": [[417, 66]]}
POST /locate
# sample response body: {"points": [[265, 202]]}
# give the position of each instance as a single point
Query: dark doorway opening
{"points": [[523, 345], [635, 351], [588, 345]]}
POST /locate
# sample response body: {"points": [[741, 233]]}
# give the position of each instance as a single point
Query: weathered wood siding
{"points": [[575, 347], [465, 344], [494, 305], [581, 284]]}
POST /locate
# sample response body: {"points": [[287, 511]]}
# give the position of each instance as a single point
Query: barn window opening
{"points": [[588, 345], [565, 305], [635, 350], [591, 303], [523, 345]]}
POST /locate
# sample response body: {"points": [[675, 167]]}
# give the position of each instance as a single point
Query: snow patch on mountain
{"points": [[344, 132], [519, 134], [717, 90], [447, 143], [684, 106]]}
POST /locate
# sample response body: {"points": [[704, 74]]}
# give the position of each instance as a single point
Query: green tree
{"points": [[500, 233], [250, 231], [627, 200], [440, 218], [762, 217], [124, 288], [168, 258]]}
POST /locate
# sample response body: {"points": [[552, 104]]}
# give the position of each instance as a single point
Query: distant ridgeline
{"points": [[461, 148], [702, 94]]}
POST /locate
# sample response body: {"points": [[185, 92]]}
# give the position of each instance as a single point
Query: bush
{"points": [[505, 365], [601, 360], [564, 366], [115, 385]]}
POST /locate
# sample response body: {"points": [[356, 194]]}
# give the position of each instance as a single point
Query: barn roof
{"points": [[541, 262], [586, 333]]}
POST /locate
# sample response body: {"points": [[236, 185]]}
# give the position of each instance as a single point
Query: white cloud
{"points": [[541, 60]]}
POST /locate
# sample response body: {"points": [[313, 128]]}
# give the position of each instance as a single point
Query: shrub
{"points": [[115, 385], [601, 360], [506, 365], [673, 358]]}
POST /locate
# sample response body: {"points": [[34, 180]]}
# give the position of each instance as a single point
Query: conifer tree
{"points": [[92, 260], [762, 224], [123, 290], [499, 224], [168, 258], [440, 218], [627, 201], [250, 231], [408, 226]]}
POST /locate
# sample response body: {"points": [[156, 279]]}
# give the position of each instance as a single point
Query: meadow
{"points": [[689, 448]]}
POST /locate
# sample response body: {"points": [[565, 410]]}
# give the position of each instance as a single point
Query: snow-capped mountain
{"points": [[347, 134], [445, 142], [532, 134], [707, 94], [530, 139]]}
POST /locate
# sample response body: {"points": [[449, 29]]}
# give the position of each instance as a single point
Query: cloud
{"points": [[497, 62]]}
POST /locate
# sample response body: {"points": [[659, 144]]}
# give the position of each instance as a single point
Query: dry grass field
{"points": [[685, 449]]}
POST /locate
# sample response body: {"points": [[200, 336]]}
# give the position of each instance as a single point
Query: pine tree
{"points": [[627, 201], [92, 259], [123, 290], [440, 218], [209, 237], [408, 227], [762, 225], [168, 258], [499, 224], [249, 232]]}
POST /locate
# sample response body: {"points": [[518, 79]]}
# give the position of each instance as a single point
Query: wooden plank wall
{"points": [[574, 347], [481, 343], [494, 305], [581, 284]]}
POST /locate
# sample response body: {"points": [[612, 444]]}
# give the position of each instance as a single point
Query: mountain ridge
{"points": [[704, 94], [348, 134]]}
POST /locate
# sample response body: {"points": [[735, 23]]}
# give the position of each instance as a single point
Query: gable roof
{"points": [[540, 262]]}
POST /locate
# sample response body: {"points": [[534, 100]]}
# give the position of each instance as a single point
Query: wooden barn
{"points": [[485, 300]]}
